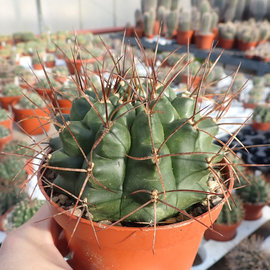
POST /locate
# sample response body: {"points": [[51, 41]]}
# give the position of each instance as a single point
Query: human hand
{"points": [[34, 245]]}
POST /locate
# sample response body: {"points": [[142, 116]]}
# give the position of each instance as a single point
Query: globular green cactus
{"points": [[21, 213], [264, 31], [12, 90], [172, 23], [69, 91], [227, 30], [43, 83], [248, 33], [261, 114], [4, 115], [148, 22], [4, 131], [231, 213], [258, 81], [256, 94], [258, 191], [9, 197], [32, 101], [138, 145]]}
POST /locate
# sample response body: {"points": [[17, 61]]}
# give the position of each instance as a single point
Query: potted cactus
{"points": [[135, 154], [172, 24], [10, 93], [44, 87], [21, 150], [254, 196], [247, 36], [36, 62], [227, 222], [185, 32], [27, 79], [194, 74], [5, 136], [50, 61], [32, 114], [20, 214], [205, 37], [255, 96], [65, 95], [261, 117], [60, 73], [227, 33], [6, 119]]}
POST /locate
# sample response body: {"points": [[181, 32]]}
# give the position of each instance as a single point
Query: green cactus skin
{"points": [[256, 94], [21, 213], [227, 30], [230, 11], [185, 21], [231, 216], [32, 101], [149, 21], [12, 90], [9, 197], [175, 5], [4, 132], [165, 3], [147, 5], [4, 115], [18, 147], [261, 114], [172, 23], [205, 27], [115, 175], [44, 84], [257, 192]]}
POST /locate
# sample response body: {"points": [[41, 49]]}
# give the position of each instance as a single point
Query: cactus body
{"points": [[149, 21], [172, 22], [205, 27], [120, 179], [261, 114]]}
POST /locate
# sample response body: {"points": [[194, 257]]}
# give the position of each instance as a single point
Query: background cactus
{"points": [[185, 21], [4, 115], [32, 101], [248, 255], [172, 23], [11, 90], [4, 131], [261, 114], [227, 30], [258, 191], [44, 84], [258, 8], [233, 215], [255, 95], [147, 5], [205, 26], [148, 22], [230, 10], [21, 213]]}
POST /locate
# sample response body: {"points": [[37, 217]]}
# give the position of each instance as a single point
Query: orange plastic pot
{"points": [[65, 105], [6, 101], [184, 37], [204, 42], [73, 66], [260, 126], [130, 248], [249, 105], [225, 43], [50, 64], [253, 211], [32, 121], [5, 140], [37, 66], [7, 123], [244, 46], [222, 232]]}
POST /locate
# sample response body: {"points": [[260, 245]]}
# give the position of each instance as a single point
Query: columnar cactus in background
{"points": [[230, 11], [258, 8], [185, 21], [147, 5], [240, 9], [172, 23], [165, 3], [205, 27], [148, 22]]}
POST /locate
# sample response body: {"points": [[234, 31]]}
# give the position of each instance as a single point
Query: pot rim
{"points": [[132, 229]]}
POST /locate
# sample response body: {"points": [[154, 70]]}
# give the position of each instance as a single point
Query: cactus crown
{"points": [[205, 26], [45, 84], [227, 30], [11, 90], [258, 191], [261, 114], [172, 22], [185, 21], [231, 216], [4, 132], [256, 94]]}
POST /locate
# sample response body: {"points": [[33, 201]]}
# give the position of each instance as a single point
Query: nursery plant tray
{"points": [[212, 251]]}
